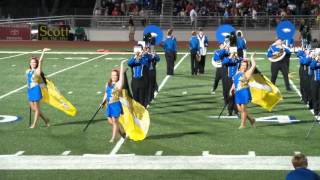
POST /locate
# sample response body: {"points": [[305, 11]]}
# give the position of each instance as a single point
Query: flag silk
{"points": [[52, 96], [263, 92], [135, 119]]}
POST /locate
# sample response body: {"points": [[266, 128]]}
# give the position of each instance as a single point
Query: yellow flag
{"points": [[52, 96], [263, 92], [135, 119]]}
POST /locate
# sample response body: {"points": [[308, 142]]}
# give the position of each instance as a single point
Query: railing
{"points": [[177, 22]]}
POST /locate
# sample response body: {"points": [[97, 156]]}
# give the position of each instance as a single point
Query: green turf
{"points": [[179, 121]]}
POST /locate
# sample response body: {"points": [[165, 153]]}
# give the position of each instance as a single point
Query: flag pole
{"points": [[224, 107], [90, 121], [29, 116]]}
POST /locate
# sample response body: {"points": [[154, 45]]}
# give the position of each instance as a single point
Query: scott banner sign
{"points": [[53, 32]]}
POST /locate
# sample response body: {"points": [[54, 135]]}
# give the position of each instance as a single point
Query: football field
{"points": [[185, 135]]}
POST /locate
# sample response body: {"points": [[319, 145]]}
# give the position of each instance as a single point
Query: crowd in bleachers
{"points": [[252, 8], [124, 8]]}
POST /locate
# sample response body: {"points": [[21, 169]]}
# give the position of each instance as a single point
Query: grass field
{"points": [[180, 122]]}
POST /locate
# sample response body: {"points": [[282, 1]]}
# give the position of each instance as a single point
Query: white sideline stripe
{"points": [[52, 74], [93, 53], [20, 54], [121, 140], [106, 155], [66, 153], [210, 162], [159, 153]]}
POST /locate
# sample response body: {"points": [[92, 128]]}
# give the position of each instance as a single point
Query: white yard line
{"points": [[207, 162], [298, 92], [121, 141], [66, 153], [19, 53], [52, 74], [159, 153]]}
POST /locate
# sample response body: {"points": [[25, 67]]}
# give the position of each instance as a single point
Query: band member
{"points": [[230, 67], [288, 44], [139, 65], [204, 43], [194, 47], [217, 58], [315, 66], [170, 49], [278, 51], [240, 88], [303, 74], [35, 78], [241, 45], [112, 99], [152, 78]]}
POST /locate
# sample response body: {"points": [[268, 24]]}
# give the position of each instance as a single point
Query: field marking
{"points": [[19, 153], [20, 54], [299, 94], [133, 162], [65, 153], [159, 153], [121, 141], [205, 153], [117, 146], [52, 74]]}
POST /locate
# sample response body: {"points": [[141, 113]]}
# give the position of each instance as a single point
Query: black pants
{"points": [[170, 58], [138, 86], [152, 86], [316, 96], [194, 63], [240, 53], [305, 87], [283, 67], [202, 64], [226, 86], [217, 78]]}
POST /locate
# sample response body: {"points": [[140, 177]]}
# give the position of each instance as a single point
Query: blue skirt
{"points": [[114, 110], [243, 96], [34, 94]]}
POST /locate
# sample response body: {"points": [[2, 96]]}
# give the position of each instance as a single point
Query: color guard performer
{"points": [[112, 99], [241, 91], [35, 78]]}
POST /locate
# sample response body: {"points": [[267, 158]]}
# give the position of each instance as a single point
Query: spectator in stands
{"points": [[115, 12], [203, 13], [143, 15], [193, 17], [131, 29], [97, 11], [300, 164]]}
